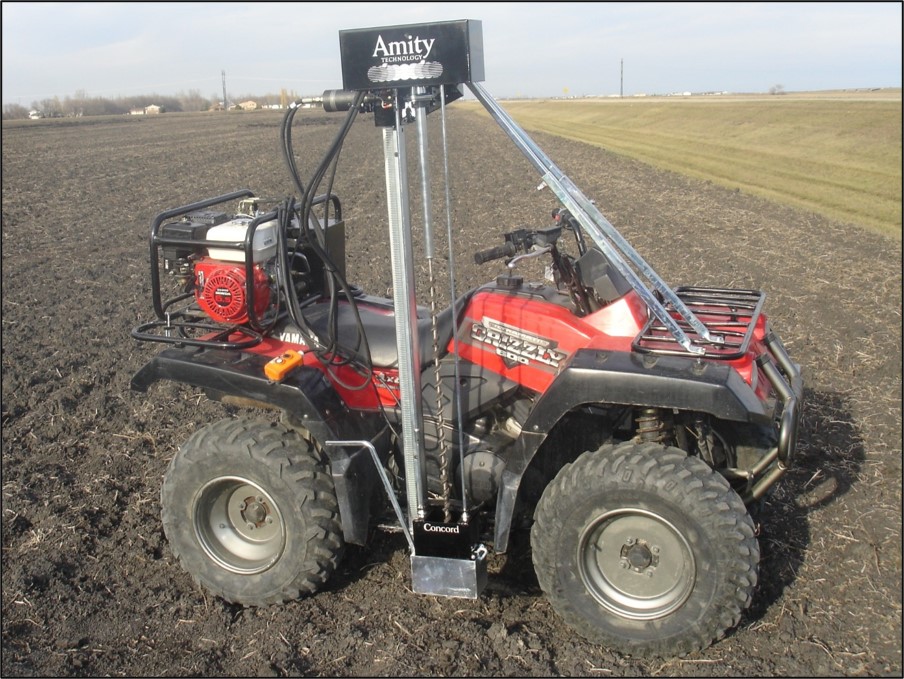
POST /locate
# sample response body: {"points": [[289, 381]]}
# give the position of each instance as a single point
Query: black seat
{"points": [[378, 318]]}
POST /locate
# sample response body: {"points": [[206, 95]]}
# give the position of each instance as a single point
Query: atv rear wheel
{"points": [[250, 511], [644, 549]]}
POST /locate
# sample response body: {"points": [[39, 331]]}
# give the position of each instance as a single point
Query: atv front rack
{"points": [[729, 315], [736, 317]]}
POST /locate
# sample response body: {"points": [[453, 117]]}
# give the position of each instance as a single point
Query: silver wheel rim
{"points": [[238, 525], [636, 564]]}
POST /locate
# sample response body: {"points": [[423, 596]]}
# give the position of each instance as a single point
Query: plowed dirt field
{"points": [[89, 585]]}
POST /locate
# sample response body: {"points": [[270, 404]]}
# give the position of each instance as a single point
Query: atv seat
{"points": [[378, 318]]}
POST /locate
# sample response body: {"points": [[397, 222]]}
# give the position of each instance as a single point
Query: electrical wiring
{"points": [[327, 349]]}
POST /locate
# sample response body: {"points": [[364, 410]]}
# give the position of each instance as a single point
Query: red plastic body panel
{"points": [[349, 382], [529, 340], [525, 339]]}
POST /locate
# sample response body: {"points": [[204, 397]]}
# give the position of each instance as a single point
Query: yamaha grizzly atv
{"points": [[628, 425]]}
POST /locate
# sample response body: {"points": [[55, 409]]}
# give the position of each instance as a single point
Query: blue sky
{"points": [[531, 49]]}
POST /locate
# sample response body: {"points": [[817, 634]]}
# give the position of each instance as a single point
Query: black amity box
{"points": [[440, 53]]}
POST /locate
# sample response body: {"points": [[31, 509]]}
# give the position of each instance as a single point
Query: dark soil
{"points": [[89, 585]]}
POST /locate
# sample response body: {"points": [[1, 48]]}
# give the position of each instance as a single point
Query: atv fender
{"points": [[309, 402], [614, 377]]}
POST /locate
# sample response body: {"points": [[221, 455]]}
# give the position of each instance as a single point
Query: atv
{"points": [[626, 425]]}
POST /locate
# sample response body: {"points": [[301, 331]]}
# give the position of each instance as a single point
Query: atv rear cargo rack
{"points": [[730, 315], [195, 332]]}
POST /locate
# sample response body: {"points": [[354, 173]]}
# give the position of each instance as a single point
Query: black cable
{"points": [[308, 220], [326, 348], [284, 220], [326, 353], [285, 134]]}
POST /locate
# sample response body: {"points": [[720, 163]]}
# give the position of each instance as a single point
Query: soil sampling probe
{"points": [[627, 426]]}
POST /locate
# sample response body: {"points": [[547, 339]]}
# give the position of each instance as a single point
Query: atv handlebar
{"points": [[521, 240], [499, 252]]}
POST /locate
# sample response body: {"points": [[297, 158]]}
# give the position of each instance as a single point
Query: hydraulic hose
{"points": [[326, 348]]}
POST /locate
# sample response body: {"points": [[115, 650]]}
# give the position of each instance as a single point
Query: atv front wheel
{"points": [[644, 549], [250, 511]]}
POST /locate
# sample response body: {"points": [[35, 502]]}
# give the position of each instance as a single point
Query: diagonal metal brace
{"points": [[604, 234]]}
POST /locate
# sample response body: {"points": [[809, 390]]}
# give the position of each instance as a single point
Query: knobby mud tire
{"points": [[645, 550], [250, 511]]}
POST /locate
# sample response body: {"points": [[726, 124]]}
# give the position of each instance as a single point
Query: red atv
{"points": [[627, 426]]}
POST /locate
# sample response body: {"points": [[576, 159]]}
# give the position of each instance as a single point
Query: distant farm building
{"points": [[249, 106], [153, 109]]}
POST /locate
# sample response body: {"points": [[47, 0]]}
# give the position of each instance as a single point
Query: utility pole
{"points": [[621, 87], [225, 104]]}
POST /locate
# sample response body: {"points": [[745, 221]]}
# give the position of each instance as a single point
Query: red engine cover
{"points": [[221, 290]]}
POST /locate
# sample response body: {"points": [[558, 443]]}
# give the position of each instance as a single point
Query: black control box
{"points": [[440, 53]]}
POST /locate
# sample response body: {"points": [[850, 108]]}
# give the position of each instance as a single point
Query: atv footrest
{"points": [[730, 315]]}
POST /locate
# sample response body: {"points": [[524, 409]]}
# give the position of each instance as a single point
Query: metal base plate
{"points": [[440, 576]]}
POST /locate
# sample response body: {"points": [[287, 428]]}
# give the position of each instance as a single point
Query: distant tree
{"points": [[76, 104], [81, 104], [193, 101], [777, 89], [170, 104], [52, 108], [14, 112]]}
